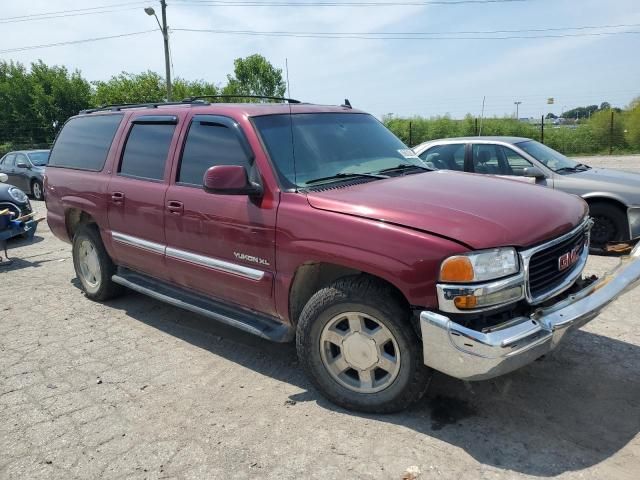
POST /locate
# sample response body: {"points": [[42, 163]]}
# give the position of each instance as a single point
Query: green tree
{"points": [[606, 131], [254, 75], [632, 123], [129, 88]]}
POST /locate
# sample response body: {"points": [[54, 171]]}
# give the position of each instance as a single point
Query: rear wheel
{"points": [[610, 224], [37, 190], [93, 265], [357, 345]]}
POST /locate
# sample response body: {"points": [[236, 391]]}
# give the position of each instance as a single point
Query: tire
{"points": [[376, 312], [611, 224], [37, 190], [93, 265]]}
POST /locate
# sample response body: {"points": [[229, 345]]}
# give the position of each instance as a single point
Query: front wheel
{"points": [[356, 343], [610, 224], [37, 190]]}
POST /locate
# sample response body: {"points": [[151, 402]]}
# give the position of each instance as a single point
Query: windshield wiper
{"points": [[340, 176], [582, 165], [566, 169], [403, 167]]}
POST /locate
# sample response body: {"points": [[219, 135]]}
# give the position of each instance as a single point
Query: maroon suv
{"points": [[315, 223]]}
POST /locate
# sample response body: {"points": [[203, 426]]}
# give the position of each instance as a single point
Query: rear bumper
{"points": [[471, 355]]}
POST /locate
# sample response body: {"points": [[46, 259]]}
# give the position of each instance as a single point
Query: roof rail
{"points": [[262, 97], [116, 107]]}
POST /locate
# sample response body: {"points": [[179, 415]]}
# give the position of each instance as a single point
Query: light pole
{"points": [[517, 104], [165, 35]]}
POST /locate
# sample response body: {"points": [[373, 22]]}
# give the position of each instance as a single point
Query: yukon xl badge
{"points": [[251, 258], [570, 258]]}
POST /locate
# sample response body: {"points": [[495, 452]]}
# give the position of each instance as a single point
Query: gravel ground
{"points": [[138, 389]]}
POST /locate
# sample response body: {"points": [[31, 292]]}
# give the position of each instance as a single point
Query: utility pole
{"points": [[164, 29]]}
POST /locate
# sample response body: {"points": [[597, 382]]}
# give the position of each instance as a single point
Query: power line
{"points": [[65, 15], [316, 3], [112, 5], [74, 42], [383, 36]]}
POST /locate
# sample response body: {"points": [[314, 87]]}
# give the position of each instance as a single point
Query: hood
{"points": [[475, 210], [624, 184]]}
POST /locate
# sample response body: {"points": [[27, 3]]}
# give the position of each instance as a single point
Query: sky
{"points": [[402, 77]]}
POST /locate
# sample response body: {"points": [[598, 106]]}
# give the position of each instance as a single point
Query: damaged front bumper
{"points": [[472, 355]]}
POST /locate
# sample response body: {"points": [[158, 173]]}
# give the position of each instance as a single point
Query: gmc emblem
{"points": [[569, 258]]}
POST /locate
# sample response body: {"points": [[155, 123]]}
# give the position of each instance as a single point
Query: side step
{"points": [[252, 322]]}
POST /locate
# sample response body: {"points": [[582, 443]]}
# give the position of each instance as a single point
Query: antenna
{"points": [[346, 104], [286, 66], [482, 115]]}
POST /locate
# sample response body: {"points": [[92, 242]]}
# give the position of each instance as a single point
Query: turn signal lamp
{"points": [[457, 269]]}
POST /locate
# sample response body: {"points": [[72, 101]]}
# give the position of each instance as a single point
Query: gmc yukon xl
{"points": [[316, 224]]}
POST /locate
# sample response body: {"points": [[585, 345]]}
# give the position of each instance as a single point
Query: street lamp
{"points": [[517, 104], [165, 35]]}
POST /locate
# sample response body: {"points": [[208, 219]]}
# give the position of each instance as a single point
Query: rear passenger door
{"points": [[7, 166], [220, 245], [137, 192]]}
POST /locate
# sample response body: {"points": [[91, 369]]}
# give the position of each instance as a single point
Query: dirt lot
{"points": [[138, 389]]}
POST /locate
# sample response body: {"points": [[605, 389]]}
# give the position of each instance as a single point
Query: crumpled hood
{"points": [[475, 210]]}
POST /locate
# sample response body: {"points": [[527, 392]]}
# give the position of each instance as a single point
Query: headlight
{"points": [[18, 195], [480, 266]]}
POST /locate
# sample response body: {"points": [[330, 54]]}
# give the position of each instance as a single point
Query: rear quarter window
{"points": [[84, 142]]}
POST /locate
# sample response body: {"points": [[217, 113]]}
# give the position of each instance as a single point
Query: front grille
{"points": [[544, 270]]}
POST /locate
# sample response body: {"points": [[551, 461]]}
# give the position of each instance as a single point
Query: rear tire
{"points": [[611, 224], [37, 190], [356, 344], [93, 265]]}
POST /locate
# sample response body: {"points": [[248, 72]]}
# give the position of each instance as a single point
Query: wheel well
{"points": [[311, 277], [75, 217], [609, 201]]}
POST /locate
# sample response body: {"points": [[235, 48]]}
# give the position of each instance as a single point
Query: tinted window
{"points": [[21, 158], [84, 142], [445, 157], [208, 144], [39, 159], [145, 153]]}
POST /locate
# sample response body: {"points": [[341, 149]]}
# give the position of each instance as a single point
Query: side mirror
{"points": [[230, 180], [533, 172], [22, 165], [3, 177]]}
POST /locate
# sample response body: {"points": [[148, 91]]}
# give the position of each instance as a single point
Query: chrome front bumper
{"points": [[471, 355]]}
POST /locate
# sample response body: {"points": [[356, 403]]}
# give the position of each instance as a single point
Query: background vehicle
{"points": [[316, 223], [25, 169], [13, 198], [613, 196]]}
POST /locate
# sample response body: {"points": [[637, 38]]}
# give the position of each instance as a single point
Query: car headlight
{"points": [[480, 266], [18, 195]]}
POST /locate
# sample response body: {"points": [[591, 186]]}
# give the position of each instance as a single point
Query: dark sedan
{"points": [[25, 170]]}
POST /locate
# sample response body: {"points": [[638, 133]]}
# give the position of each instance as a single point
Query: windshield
{"points": [[39, 159], [548, 156], [332, 146]]}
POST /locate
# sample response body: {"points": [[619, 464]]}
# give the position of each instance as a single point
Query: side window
{"points": [[517, 163], [84, 142], [145, 154], [486, 160], [445, 157], [9, 161], [208, 144], [21, 158]]}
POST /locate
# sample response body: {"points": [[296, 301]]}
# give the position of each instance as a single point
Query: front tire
{"points": [[93, 265], [357, 345], [37, 190], [610, 224]]}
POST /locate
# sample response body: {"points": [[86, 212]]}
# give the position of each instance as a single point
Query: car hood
{"points": [[477, 211], [609, 180]]}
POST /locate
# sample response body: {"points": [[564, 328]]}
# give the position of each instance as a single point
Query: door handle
{"points": [[175, 207], [117, 198]]}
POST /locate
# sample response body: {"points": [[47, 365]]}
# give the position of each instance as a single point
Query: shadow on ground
{"points": [[566, 412]]}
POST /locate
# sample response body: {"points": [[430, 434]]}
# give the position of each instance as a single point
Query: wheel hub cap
{"points": [[89, 264], [360, 352]]}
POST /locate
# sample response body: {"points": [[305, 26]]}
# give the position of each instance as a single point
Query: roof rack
{"points": [[262, 97], [116, 107], [197, 100]]}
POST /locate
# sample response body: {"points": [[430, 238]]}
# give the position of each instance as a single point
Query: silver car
{"points": [[25, 169], [613, 196]]}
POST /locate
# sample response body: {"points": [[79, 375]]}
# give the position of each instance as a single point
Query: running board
{"points": [[249, 321]]}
